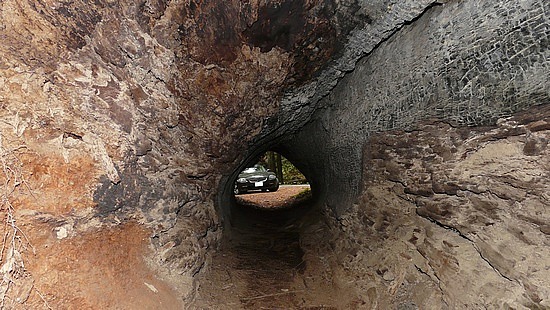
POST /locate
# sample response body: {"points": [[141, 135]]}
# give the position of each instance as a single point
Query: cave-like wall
{"points": [[465, 62], [434, 197], [448, 218], [121, 118], [122, 122]]}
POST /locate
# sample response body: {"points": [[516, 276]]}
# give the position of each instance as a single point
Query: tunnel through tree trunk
{"points": [[124, 125]]}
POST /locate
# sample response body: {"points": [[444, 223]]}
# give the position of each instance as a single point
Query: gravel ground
{"points": [[282, 198]]}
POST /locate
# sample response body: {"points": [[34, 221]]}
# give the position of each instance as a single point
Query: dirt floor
{"points": [[285, 197], [260, 265]]}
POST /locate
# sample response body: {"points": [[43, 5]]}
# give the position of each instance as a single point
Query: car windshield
{"points": [[254, 169]]}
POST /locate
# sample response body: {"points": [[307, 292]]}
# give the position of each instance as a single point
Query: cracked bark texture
{"points": [[449, 218], [129, 120], [437, 225], [137, 112], [465, 62]]}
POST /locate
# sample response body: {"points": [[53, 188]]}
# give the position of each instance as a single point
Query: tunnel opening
{"points": [[269, 192], [273, 182], [267, 179], [260, 261]]}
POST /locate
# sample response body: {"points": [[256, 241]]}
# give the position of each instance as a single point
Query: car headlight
{"points": [[272, 177], [241, 180]]}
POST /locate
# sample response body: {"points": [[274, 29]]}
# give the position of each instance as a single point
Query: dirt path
{"points": [[284, 197], [260, 266]]}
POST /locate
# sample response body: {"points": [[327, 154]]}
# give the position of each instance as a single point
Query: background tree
{"points": [[279, 168], [286, 172]]}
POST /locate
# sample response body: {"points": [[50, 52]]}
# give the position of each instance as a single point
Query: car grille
{"points": [[257, 179]]}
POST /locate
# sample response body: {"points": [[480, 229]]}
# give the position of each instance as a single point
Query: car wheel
{"points": [[236, 190], [274, 189]]}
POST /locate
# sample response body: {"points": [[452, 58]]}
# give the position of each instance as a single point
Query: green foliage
{"points": [[291, 174]]}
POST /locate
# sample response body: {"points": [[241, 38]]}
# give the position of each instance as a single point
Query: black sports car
{"points": [[256, 178]]}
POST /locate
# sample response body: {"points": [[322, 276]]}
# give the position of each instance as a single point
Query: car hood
{"points": [[253, 174]]}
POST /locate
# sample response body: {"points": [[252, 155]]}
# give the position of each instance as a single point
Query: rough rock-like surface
{"points": [[466, 62], [450, 215], [124, 123], [118, 112], [449, 218]]}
